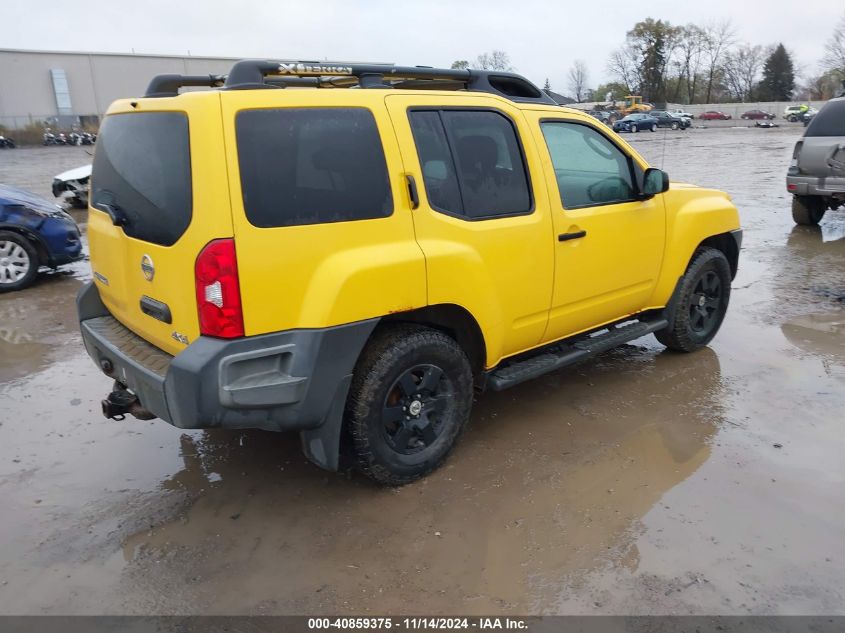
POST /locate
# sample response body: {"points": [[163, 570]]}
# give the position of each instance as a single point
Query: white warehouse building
{"points": [[67, 88]]}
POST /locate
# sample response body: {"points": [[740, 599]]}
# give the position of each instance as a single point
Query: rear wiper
{"points": [[117, 215]]}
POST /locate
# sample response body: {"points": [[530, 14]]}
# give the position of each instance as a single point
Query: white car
{"points": [[72, 185], [793, 113]]}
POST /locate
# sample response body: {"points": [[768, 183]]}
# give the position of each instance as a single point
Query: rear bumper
{"points": [[291, 380], [812, 186]]}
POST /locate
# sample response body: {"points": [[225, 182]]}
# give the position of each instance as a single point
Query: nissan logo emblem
{"points": [[147, 267]]}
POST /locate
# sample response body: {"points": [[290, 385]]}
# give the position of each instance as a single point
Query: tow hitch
{"points": [[122, 401]]}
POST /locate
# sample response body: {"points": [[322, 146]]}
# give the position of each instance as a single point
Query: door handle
{"points": [[412, 191], [575, 235]]}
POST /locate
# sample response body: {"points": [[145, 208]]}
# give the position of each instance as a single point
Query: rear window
{"points": [[142, 168], [311, 166], [830, 121]]}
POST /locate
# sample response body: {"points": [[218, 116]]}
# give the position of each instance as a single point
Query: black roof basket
{"points": [[251, 74]]}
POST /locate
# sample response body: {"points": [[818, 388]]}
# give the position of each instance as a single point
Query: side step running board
{"points": [[569, 353]]}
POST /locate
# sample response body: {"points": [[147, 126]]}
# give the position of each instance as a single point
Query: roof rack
{"points": [[251, 74]]}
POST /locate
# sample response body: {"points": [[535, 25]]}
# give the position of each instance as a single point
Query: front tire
{"points": [[634, 128], [410, 398], [674, 126], [807, 210], [18, 262], [702, 302]]}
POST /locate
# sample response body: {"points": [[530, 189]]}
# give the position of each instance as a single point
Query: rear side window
{"points": [[311, 166], [830, 121], [472, 163], [142, 168]]}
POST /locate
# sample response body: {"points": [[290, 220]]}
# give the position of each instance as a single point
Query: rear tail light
{"points": [[218, 291], [794, 170]]}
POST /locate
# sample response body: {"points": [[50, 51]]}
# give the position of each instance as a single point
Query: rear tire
{"points": [[18, 262], [702, 302], [654, 127], [674, 126], [410, 398], [808, 210]]}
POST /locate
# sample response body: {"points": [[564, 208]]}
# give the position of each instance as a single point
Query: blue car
{"points": [[637, 122], [34, 232]]}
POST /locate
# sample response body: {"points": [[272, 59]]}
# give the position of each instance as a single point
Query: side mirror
{"points": [[655, 181]]}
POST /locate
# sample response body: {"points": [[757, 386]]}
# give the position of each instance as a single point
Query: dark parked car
{"points": [[34, 232], [665, 119], [635, 123], [713, 115], [609, 118], [757, 115]]}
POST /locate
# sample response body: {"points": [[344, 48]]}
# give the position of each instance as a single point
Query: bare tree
{"points": [[690, 58], [741, 70], [834, 50], [578, 78], [821, 87], [622, 66], [494, 60], [718, 37]]}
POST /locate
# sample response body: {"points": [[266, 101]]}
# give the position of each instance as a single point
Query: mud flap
{"points": [[321, 445]]}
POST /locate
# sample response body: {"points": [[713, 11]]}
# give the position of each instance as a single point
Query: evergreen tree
{"points": [[778, 76], [547, 86]]}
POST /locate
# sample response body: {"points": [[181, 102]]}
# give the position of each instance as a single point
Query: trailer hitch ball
{"points": [[122, 401], [118, 403]]}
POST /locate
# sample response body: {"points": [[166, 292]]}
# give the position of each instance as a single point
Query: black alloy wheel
{"points": [[705, 303], [410, 398], [700, 303], [414, 407]]}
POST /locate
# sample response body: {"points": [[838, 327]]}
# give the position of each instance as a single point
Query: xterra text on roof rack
{"points": [[354, 263]]}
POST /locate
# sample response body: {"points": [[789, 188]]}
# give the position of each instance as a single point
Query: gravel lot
{"points": [[641, 482]]}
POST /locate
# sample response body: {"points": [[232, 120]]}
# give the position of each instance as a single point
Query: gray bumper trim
{"points": [[812, 186], [291, 380]]}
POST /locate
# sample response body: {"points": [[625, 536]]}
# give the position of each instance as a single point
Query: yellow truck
{"points": [[359, 262]]}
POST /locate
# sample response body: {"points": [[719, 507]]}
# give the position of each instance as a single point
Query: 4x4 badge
{"points": [[147, 267]]}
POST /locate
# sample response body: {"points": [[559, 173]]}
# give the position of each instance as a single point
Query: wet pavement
{"points": [[641, 482]]}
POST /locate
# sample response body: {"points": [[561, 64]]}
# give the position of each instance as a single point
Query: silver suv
{"points": [[816, 176]]}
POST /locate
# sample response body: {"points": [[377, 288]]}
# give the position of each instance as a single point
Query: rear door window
{"points": [[472, 163], [311, 166], [142, 168], [830, 121]]}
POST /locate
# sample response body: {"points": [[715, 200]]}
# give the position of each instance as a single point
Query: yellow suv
{"points": [[351, 251]]}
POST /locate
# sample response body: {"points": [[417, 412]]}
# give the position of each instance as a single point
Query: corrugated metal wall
{"points": [[94, 80]]}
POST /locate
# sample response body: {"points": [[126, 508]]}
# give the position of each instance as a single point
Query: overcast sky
{"points": [[542, 38]]}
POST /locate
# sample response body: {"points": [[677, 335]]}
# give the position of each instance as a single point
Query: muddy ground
{"points": [[642, 482]]}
